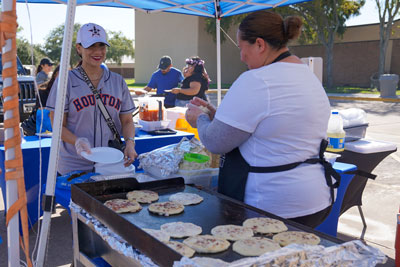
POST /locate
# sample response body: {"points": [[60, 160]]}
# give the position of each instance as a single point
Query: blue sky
{"points": [[45, 17]]}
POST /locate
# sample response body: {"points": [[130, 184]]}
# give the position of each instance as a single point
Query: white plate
{"points": [[104, 155], [44, 134]]}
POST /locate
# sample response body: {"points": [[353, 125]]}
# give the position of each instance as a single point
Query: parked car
{"points": [[27, 92]]}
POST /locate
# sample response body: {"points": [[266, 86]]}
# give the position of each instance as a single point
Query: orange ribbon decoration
{"points": [[8, 29]]}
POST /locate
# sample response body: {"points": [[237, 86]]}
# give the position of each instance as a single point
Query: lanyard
{"points": [[282, 56]]}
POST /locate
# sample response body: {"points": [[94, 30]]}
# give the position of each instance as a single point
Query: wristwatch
{"points": [[131, 139]]}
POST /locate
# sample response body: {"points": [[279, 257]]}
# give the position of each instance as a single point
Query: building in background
{"points": [[356, 55], [126, 69]]}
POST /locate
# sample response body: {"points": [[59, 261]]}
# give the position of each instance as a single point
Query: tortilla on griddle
{"points": [[207, 243], [181, 229], [186, 198], [181, 248], [158, 234], [255, 246], [123, 205], [289, 237], [166, 208], [265, 225], [232, 232], [142, 196]]}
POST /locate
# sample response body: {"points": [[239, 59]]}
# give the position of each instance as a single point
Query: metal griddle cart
{"points": [[91, 217]]}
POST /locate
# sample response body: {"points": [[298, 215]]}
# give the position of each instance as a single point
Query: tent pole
{"points": [[11, 185], [57, 126], [218, 31]]}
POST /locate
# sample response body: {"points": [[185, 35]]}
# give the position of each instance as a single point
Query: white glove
{"points": [[82, 144]]}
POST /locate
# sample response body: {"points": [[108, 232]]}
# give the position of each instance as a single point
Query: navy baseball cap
{"points": [[165, 62], [46, 61]]}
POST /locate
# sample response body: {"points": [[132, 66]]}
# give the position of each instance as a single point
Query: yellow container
{"points": [[183, 125]]}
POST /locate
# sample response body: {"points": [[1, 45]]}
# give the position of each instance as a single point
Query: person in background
{"points": [[165, 78], [44, 94], [84, 126], [29, 125], [42, 72], [273, 119], [195, 83]]}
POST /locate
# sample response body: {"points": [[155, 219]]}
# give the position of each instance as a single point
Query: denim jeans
{"points": [[181, 103]]}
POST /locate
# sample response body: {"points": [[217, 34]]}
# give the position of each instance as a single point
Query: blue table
{"points": [[30, 152], [31, 161], [329, 225]]}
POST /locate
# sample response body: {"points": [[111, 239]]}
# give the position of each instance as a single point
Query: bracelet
{"points": [[131, 139]]}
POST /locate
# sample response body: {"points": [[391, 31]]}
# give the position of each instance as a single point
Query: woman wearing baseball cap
{"points": [[42, 72], [84, 125]]}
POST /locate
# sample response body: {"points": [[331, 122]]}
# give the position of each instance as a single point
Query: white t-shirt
{"points": [[285, 108]]}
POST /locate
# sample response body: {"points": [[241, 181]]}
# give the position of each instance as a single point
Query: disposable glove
{"points": [[82, 144]]}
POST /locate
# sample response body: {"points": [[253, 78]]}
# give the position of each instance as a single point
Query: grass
{"points": [[352, 90], [338, 90], [355, 90]]}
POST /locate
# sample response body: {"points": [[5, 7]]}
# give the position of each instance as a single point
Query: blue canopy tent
{"points": [[205, 8]]}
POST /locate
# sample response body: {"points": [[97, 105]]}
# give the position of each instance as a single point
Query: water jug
{"points": [[151, 108], [335, 133]]}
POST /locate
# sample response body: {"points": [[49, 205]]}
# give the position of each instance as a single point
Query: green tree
{"points": [[120, 45], [53, 44], [324, 20], [24, 52], [388, 9], [225, 24]]}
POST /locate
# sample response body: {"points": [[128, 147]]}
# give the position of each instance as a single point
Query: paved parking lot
{"points": [[381, 197]]}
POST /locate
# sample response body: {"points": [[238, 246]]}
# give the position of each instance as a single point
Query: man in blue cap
{"points": [[165, 78]]}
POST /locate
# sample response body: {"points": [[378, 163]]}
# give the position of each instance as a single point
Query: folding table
{"points": [[329, 225], [31, 161], [366, 154]]}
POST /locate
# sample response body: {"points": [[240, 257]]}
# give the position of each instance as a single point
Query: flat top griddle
{"points": [[216, 209]]}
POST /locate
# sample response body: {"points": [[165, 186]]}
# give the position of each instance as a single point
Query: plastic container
{"points": [[194, 157], [138, 127], [355, 132], [200, 177], [149, 126], [331, 157], [178, 121], [173, 114], [151, 108], [336, 134]]}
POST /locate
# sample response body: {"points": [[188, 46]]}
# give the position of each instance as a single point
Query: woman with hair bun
{"points": [[271, 126], [195, 83]]}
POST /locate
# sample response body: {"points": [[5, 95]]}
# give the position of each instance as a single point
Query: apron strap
{"points": [[329, 171]]}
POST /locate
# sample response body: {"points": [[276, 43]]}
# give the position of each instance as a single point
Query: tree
{"points": [[325, 19], [388, 9], [225, 24], [120, 45], [24, 52], [53, 44]]}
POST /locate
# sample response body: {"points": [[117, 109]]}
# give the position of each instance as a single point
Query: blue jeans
{"points": [[181, 103]]}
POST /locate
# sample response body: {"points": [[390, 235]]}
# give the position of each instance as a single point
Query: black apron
{"points": [[234, 169]]}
